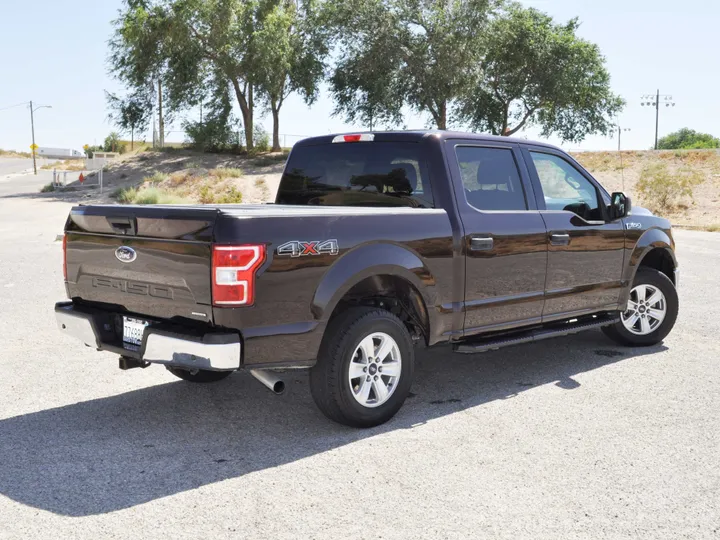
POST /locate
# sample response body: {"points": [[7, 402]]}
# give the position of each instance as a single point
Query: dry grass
{"points": [[14, 154], [148, 195], [67, 165]]}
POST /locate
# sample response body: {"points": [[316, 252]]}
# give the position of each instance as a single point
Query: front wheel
{"points": [[199, 375], [364, 369], [651, 312]]}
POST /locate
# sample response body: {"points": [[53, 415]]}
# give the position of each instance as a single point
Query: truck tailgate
{"points": [[148, 260]]}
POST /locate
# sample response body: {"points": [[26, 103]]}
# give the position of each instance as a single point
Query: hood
{"points": [[640, 211]]}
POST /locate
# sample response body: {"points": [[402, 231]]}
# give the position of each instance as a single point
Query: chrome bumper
{"points": [[212, 351]]}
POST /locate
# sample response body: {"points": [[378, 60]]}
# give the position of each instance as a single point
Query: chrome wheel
{"points": [[646, 310], [375, 370]]}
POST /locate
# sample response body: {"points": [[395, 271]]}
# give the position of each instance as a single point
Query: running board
{"points": [[537, 334]]}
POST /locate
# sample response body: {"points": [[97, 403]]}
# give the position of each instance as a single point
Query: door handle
{"points": [[481, 244], [559, 239]]}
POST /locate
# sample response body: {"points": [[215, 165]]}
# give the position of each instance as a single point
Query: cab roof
{"points": [[417, 135]]}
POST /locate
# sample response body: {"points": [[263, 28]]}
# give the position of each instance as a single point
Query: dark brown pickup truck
{"points": [[377, 243]]}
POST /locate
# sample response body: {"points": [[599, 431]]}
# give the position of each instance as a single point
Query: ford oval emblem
{"points": [[125, 254]]}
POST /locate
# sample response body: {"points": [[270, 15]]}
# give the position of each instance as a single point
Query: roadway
{"points": [[571, 438]]}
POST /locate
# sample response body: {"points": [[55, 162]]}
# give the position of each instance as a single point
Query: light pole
{"points": [[620, 132], [654, 101], [32, 126]]}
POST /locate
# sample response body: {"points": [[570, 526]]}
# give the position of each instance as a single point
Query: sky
{"points": [[54, 53]]}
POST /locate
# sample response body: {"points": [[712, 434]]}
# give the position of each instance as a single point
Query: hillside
{"points": [[180, 175]]}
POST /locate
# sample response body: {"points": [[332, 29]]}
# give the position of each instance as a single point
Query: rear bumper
{"points": [[162, 344]]}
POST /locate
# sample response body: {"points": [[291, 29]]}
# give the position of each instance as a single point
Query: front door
{"points": [[585, 257], [504, 236]]}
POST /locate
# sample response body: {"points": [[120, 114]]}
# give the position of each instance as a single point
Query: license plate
{"points": [[133, 330]]}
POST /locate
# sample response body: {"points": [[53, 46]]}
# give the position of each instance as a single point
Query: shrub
{"points": [[223, 173], [151, 195], [688, 139], [155, 178], [261, 139], [212, 135], [47, 188], [231, 196], [663, 190], [114, 144]]}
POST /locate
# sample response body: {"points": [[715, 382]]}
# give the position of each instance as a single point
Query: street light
{"points": [[620, 132], [654, 101], [32, 125]]}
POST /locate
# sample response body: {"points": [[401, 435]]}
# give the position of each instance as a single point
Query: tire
{"points": [[653, 280], [200, 375], [347, 338]]}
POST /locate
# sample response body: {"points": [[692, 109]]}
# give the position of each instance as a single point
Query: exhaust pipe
{"points": [[266, 377]]}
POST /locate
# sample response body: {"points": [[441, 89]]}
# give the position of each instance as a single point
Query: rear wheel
{"points": [[364, 369], [651, 312], [199, 375]]}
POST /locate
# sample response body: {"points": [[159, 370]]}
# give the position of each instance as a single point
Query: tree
{"points": [[130, 114], [421, 53], [139, 52], [537, 72], [688, 139], [289, 55]]}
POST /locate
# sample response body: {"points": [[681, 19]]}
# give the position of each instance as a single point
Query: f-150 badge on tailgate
{"points": [[295, 248]]}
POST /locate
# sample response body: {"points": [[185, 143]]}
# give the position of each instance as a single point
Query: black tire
{"points": [[618, 333], [199, 376], [329, 383]]}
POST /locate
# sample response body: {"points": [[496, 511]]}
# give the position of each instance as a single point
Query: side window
{"points": [[565, 188], [491, 178]]}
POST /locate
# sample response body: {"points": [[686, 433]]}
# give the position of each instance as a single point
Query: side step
{"points": [[544, 332]]}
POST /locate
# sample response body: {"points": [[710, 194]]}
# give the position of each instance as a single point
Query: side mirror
{"points": [[620, 205]]}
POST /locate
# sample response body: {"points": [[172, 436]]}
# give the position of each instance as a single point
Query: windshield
{"points": [[356, 174]]}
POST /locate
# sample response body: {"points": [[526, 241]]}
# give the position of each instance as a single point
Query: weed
{"points": [[231, 196], [67, 165], [223, 173], [206, 195], [260, 183], [713, 228], [47, 188], [662, 189], [124, 195], [156, 178], [151, 195]]}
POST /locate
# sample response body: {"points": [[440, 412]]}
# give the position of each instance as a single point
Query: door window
{"points": [[490, 178], [565, 188]]}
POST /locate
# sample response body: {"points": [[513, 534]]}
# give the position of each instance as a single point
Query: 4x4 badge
{"points": [[296, 248]]}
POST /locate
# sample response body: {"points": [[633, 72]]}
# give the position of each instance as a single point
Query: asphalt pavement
{"points": [[569, 438]]}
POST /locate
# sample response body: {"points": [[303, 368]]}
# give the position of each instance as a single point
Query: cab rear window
{"points": [[356, 174]]}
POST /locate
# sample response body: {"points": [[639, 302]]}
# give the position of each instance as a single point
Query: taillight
{"points": [[65, 257], [233, 271]]}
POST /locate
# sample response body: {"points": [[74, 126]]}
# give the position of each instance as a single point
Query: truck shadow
{"points": [[117, 452]]}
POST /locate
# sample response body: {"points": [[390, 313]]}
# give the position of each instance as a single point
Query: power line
{"points": [[13, 106]]}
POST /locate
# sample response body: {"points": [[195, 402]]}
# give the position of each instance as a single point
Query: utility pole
{"points": [[654, 101], [32, 126]]}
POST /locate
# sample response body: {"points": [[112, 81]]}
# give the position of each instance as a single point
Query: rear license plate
{"points": [[133, 330]]}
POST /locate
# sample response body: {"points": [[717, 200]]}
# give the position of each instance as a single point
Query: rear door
{"points": [[153, 261], [586, 250], [504, 236]]}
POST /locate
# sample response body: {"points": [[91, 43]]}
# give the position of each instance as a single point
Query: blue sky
{"points": [[54, 53]]}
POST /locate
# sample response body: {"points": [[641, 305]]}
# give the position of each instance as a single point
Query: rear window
{"points": [[356, 174]]}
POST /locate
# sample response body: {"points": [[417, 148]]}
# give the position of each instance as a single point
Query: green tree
{"points": [[537, 72], [290, 50], [130, 114], [390, 53], [688, 139], [139, 53]]}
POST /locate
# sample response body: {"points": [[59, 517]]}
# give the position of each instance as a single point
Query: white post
{"points": [[55, 182], [101, 174], [65, 178]]}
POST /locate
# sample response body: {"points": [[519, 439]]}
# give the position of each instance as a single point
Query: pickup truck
{"points": [[377, 243]]}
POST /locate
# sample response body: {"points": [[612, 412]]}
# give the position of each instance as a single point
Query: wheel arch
{"points": [[654, 249], [379, 271]]}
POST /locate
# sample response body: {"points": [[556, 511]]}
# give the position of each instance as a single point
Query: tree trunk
{"points": [[246, 111], [276, 127], [161, 120], [442, 122], [132, 139]]}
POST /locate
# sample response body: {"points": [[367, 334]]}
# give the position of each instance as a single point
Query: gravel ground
{"points": [[571, 438]]}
